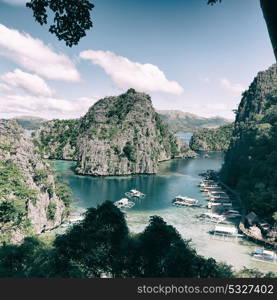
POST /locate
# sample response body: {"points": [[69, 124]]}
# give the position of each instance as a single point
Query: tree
{"points": [[71, 17], [269, 8], [94, 246]]}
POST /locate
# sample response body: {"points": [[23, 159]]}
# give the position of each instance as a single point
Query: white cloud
{"points": [[4, 87], [16, 2], [235, 88], [35, 56], [129, 74], [30, 83], [48, 107]]}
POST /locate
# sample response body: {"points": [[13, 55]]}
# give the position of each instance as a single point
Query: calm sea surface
{"points": [[179, 176]]}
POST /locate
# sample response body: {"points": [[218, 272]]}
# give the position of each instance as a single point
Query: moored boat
{"points": [[135, 194], [265, 255], [211, 217], [210, 204], [124, 203], [184, 201], [226, 231]]}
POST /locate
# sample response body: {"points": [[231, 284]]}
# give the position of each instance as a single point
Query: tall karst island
{"points": [[118, 136], [32, 197]]}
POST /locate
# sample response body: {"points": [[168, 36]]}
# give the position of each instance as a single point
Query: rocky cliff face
{"points": [[29, 200], [124, 135], [251, 160], [118, 136]]}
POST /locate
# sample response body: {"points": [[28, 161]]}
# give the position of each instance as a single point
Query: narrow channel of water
{"points": [[179, 176]]}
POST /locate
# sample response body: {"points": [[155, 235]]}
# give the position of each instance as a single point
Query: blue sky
{"points": [[185, 54]]}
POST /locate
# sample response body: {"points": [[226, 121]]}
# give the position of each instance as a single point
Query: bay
{"points": [[178, 176]]}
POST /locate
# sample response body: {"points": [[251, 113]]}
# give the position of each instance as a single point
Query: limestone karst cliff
{"points": [[117, 136], [31, 197], [251, 160]]}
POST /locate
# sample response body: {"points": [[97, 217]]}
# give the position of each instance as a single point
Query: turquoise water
{"points": [[179, 176]]}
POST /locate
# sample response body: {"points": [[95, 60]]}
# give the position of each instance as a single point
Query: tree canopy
{"points": [[71, 18]]}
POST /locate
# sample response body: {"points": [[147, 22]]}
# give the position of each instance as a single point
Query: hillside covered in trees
{"points": [[251, 160], [217, 139]]}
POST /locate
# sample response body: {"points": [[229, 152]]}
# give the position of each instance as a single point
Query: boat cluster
{"points": [[215, 194], [127, 202]]}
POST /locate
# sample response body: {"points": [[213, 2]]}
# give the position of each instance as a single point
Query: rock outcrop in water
{"points": [[251, 160], [31, 197], [118, 136]]}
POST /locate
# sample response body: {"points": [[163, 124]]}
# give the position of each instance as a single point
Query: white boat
{"points": [[124, 203], [210, 204], [265, 255], [184, 201], [219, 199], [215, 218], [205, 183], [135, 194], [228, 231]]}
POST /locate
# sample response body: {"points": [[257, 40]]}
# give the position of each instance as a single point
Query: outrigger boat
{"points": [[210, 204], [205, 183], [124, 203], [267, 255], [184, 201], [210, 217], [227, 231], [135, 194]]}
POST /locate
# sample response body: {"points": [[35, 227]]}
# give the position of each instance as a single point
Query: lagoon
{"points": [[178, 176]]}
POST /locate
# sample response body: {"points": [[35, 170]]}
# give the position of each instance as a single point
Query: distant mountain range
{"points": [[179, 121], [29, 122]]}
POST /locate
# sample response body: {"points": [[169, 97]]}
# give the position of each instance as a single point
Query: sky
{"points": [[185, 54]]}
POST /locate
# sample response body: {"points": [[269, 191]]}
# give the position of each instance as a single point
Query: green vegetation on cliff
{"points": [[57, 139], [217, 139], [251, 160], [32, 197], [117, 136]]}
